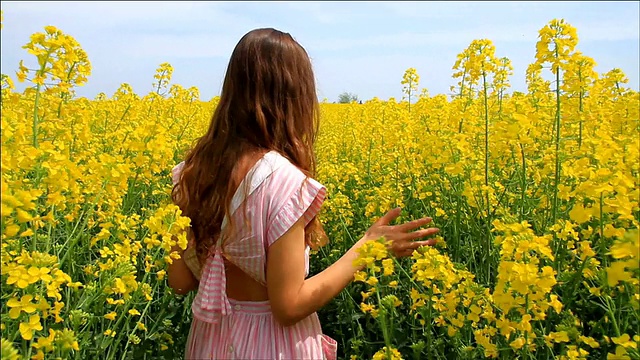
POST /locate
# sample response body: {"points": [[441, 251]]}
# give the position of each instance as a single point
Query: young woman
{"points": [[247, 186]]}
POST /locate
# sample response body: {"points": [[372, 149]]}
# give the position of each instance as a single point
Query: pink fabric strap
{"points": [[211, 302]]}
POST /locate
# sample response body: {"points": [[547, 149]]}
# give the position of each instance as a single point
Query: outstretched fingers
{"points": [[420, 234], [413, 224], [430, 242]]}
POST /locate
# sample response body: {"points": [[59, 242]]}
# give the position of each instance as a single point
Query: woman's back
{"points": [[241, 286], [232, 314]]}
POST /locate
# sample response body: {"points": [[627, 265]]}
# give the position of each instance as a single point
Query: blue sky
{"points": [[359, 47]]}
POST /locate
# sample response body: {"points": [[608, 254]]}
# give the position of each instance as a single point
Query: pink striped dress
{"points": [[277, 194]]}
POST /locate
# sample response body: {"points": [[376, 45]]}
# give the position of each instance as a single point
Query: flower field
{"points": [[536, 194]]}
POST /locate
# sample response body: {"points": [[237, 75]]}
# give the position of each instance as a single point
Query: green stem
{"points": [[486, 170], [612, 315], [486, 130], [601, 242], [428, 320], [557, 148], [554, 212], [144, 312], [524, 183], [35, 117], [580, 129], [382, 313], [37, 100]]}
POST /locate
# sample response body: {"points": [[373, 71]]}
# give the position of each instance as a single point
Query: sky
{"points": [[359, 47]]}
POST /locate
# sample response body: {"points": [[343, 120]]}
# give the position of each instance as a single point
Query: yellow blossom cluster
{"points": [[536, 195]]}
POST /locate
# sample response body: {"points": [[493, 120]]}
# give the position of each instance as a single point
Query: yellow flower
{"points": [[50, 29], [366, 307], [589, 341], [74, 285], [579, 214], [11, 230], [23, 216], [610, 231], [111, 316], [27, 328], [575, 353], [555, 303], [617, 273], [111, 301], [46, 343], [621, 250], [451, 331], [621, 354], [387, 354], [17, 306], [57, 307], [40, 274], [557, 337], [517, 343], [625, 341], [21, 277], [388, 267]]}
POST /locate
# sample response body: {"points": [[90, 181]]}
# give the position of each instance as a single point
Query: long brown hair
{"points": [[268, 102]]}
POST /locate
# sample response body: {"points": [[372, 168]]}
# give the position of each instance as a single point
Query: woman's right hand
{"points": [[402, 238]]}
